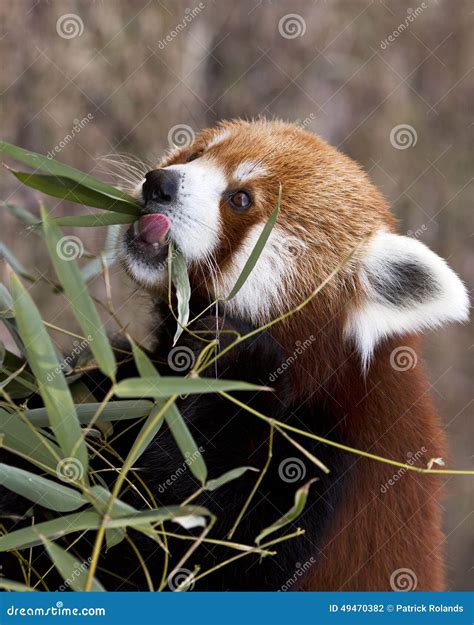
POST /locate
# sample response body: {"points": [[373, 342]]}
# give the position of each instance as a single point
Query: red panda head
{"points": [[213, 198]]}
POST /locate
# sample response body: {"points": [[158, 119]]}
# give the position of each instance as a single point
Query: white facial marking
{"points": [[262, 297], [439, 295], [219, 138], [195, 218], [248, 170]]}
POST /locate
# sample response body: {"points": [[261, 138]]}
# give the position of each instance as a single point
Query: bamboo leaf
{"points": [[72, 571], [80, 300], [166, 386], [57, 528], [29, 442], [97, 219], [50, 166], [180, 279], [6, 303], [113, 411], [72, 191], [233, 474], [24, 216], [175, 421], [51, 382], [8, 584], [257, 250], [38, 489], [301, 496]]}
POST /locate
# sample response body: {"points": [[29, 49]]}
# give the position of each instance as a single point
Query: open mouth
{"points": [[148, 238]]}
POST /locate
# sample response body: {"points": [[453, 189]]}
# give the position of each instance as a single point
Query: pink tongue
{"points": [[153, 228]]}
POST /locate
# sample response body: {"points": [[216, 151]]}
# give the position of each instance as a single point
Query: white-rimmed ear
{"points": [[406, 288]]}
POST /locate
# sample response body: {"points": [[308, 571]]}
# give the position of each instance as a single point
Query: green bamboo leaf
{"points": [[107, 256], [8, 584], [14, 263], [257, 250], [180, 279], [38, 489], [179, 430], [72, 571], [181, 514], [167, 386], [233, 474], [49, 376], [49, 165], [57, 528], [79, 299], [6, 303], [301, 496], [28, 441], [97, 219], [113, 411], [72, 191], [24, 216]]}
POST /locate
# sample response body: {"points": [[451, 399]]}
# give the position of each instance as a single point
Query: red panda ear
{"points": [[407, 288]]}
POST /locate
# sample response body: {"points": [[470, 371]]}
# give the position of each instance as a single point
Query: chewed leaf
{"points": [[257, 250], [301, 496], [180, 280]]}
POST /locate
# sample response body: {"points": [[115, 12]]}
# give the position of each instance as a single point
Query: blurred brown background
{"points": [[350, 71]]}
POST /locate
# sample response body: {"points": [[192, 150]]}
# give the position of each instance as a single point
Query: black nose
{"points": [[161, 185]]}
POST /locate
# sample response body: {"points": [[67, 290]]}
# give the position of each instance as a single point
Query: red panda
{"points": [[361, 366], [345, 367]]}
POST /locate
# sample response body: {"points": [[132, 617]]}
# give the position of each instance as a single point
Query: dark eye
{"points": [[240, 201], [194, 156]]}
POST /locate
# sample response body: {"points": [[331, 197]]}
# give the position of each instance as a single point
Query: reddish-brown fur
{"points": [[385, 412]]}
